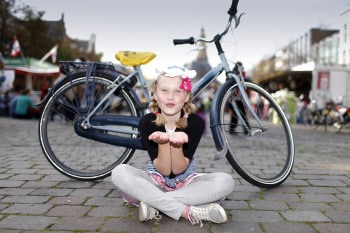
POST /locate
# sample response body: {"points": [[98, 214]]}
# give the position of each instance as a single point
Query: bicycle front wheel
{"points": [[262, 153], [75, 156]]}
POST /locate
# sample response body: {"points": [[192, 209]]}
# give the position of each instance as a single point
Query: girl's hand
{"points": [[178, 138], [159, 137]]}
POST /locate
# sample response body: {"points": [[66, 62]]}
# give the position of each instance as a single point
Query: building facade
{"points": [[316, 65]]}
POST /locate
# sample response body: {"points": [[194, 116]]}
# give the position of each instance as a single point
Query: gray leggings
{"points": [[207, 188]]}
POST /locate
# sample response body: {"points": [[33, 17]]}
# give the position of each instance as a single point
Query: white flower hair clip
{"points": [[175, 71], [178, 71]]}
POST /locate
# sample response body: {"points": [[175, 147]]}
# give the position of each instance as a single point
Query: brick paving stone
{"points": [[287, 227], [26, 222], [110, 211], [3, 206], [4, 176], [343, 197], [244, 196], [167, 225], [72, 200], [127, 225], [339, 216], [247, 188], [23, 171], [256, 215], [74, 184], [268, 205], [12, 231], [78, 224], [281, 197], [328, 183], [319, 198], [341, 206], [25, 199], [90, 192], [332, 228], [34, 209], [106, 184], [237, 227], [51, 231], [68, 210], [319, 190], [310, 206], [26, 177], [347, 182], [39, 184], [11, 183], [235, 205], [340, 177], [344, 190], [52, 192], [305, 216], [288, 189], [15, 191], [52, 177], [298, 183], [104, 201]]}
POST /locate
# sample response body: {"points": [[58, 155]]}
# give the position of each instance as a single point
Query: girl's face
{"points": [[169, 96]]}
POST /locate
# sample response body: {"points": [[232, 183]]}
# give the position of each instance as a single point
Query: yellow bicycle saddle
{"points": [[131, 58]]}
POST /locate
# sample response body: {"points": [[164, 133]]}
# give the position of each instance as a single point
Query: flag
{"points": [[53, 53], [16, 48]]}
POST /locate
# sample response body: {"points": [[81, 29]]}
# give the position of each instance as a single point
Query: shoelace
{"points": [[154, 214], [196, 216]]}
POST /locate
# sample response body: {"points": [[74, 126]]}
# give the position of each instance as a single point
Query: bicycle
{"points": [[90, 118]]}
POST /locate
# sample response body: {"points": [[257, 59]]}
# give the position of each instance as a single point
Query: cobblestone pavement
{"points": [[34, 197]]}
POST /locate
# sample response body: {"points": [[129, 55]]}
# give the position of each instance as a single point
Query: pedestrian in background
{"points": [[25, 107]]}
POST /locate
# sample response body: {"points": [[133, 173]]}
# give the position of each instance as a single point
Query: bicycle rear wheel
{"points": [[72, 155], [264, 155]]}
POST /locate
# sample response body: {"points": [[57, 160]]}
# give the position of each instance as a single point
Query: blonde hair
{"points": [[160, 121]]}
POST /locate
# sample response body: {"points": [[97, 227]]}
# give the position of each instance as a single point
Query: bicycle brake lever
{"points": [[237, 19]]}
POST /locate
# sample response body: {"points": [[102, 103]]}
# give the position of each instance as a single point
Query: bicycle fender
{"points": [[61, 81], [215, 117]]}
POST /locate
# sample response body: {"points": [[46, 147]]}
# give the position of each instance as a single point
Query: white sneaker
{"points": [[212, 212], [148, 213]]}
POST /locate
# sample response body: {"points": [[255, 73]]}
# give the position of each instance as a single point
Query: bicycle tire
{"points": [[263, 158], [75, 156]]}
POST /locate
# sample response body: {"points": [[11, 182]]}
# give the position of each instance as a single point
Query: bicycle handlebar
{"points": [[184, 41], [233, 9]]}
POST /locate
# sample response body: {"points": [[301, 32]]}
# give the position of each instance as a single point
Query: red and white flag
{"points": [[16, 48], [53, 53]]}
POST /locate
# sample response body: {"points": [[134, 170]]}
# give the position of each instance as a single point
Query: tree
{"points": [[11, 24], [35, 35]]}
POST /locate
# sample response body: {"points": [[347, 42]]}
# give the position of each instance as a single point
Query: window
{"points": [[345, 33]]}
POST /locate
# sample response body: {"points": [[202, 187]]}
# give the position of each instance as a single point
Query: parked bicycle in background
{"points": [[333, 114]]}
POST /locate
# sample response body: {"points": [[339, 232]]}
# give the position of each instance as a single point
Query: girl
{"points": [[171, 134]]}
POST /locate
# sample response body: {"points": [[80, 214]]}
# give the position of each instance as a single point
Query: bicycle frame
{"points": [[95, 122]]}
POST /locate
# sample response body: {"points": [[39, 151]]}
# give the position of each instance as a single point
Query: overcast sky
{"points": [[150, 25]]}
